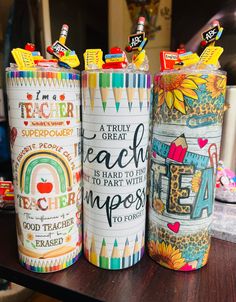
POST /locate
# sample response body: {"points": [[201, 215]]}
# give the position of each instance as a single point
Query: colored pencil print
{"points": [[92, 83], [141, 89], [84, 88], [136, 251], [104, 85], [178, 149], [126, 259], [115, 257], [93, 256], [148, 89], [130, 84], [117, 85], [103, 258]]}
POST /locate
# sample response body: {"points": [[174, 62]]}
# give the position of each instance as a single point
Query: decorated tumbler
{"points": [[187, 122], [45, 138], [115, 135]]}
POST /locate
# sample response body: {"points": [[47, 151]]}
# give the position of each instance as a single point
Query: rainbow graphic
{"points": [[50, 265], [31, 165], [42, 78]]}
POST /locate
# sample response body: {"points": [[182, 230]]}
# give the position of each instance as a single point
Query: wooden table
{"points": [[146, 281]]}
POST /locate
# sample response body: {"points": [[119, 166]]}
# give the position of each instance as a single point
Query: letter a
{"points": [[204, 198]]}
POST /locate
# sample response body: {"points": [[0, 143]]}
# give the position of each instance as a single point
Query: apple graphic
{"points": [[29, 96], [62, 97], [44, 186]]}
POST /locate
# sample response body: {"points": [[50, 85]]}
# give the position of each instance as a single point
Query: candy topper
{"points": [[93, 59], [212, 34], [67, 58], [135, 40], [211, 53], [115, 59], [137, 43], [168, 59]]}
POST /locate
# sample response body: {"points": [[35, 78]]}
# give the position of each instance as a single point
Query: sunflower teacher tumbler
{"points": [[187, 120]]}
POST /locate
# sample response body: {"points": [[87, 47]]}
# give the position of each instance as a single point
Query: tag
{"points": [[23, 58], [211, 54]]}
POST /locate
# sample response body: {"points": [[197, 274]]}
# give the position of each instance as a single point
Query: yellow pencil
{"points": [[93, 256], [92, 83]]}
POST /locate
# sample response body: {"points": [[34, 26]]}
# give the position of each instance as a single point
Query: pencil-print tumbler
{"points": [[115, 136], [187, 122], [45, 138]]}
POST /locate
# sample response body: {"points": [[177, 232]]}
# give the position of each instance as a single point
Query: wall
{"points": [[119, 26]]}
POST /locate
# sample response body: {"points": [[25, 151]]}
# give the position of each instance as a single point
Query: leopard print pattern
{"points": [[192, 246], [176, 192], [164, 115], [196, 240]]}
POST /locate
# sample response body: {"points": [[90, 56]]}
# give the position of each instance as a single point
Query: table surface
{"points": [[146, 281]]}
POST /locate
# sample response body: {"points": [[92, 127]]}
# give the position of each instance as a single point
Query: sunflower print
{"points": [[173, 88], [68, 238], [166, 255], [30, 236], [196, 181], [216, 85], [205, 257]]}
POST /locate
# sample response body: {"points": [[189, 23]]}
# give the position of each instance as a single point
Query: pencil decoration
{"points": [[141, 89], [136, 251], [178, 149], [42, 78], [104, 85], [115, 257], [126, 259], [117, 85], [92, 254], [130, 84], [148, 89], [92, 84], [103, 258], [84, 88], [48, 266]]}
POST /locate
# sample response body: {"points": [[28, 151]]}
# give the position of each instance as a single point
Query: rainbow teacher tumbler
{"points": [[187, 122], [45, 138], [115, 135]]}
